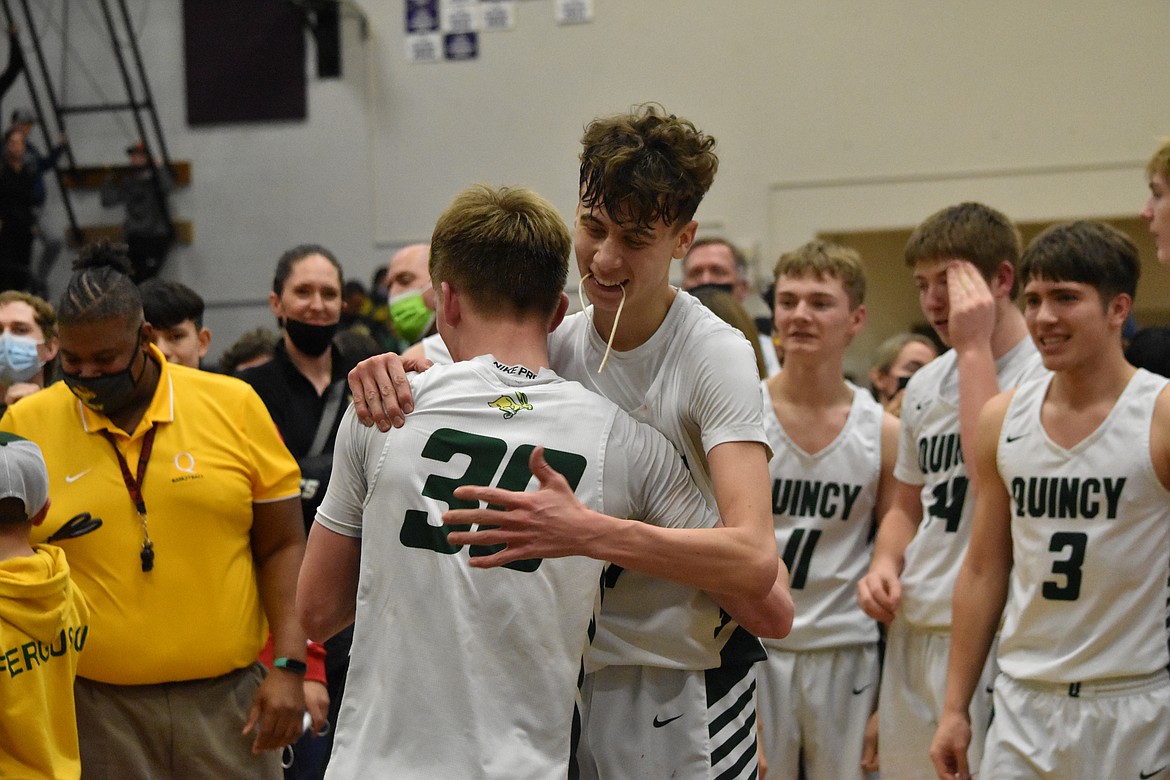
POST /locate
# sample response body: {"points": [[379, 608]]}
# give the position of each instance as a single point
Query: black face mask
{"points": [[107, 394], [313, 340], [727, 288]]}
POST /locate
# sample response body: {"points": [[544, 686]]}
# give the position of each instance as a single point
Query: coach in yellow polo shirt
{"points": [[200, 540]]}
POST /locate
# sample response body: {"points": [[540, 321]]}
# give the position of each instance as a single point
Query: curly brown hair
{"points": [[645, 166]]}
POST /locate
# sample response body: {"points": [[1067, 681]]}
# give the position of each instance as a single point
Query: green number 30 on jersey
{"points": [[485, 454]]}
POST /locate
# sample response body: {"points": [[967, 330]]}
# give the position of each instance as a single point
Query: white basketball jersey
{"points": [[1090, 543], [929, 454], [435, 350], [695, 381], [822, 506], [461, 672]]}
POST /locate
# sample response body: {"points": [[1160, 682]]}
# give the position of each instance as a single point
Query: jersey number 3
{"points": [[485, 454]]}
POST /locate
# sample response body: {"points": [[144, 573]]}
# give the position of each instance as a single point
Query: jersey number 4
{"points": [[485, 454], [948, 502]]}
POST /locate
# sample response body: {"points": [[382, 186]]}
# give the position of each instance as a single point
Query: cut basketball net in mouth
{"points": [[617, 316]]}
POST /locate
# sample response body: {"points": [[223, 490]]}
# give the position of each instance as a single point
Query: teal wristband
{"points": [[290, 665]]}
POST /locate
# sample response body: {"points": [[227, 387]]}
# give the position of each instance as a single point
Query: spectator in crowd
{"points": [[411, 299], [254, 348], [23, 122], [304, 388], [1150, 349], [44, 624], [147, 228], [17, 220], [175, 314], [194, 556], [724, 305], [29, 339], [357, 316], [894, 362], [718, 262]]}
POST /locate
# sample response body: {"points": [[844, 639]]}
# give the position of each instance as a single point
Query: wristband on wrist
{"points": [[290, 665]]}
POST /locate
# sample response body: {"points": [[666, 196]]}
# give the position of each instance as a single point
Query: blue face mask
{"points": [[19, 359]]}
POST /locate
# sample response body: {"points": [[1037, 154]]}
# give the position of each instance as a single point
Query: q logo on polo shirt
{"points": [[185, 462]]}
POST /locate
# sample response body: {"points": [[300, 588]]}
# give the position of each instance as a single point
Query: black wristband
{"points": [[290, 665]]}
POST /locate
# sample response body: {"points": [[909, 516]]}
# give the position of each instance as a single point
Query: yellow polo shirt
{"points": [[216, 452]]}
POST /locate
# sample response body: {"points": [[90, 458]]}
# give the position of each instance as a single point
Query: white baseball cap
{"points": [[23, 473]]}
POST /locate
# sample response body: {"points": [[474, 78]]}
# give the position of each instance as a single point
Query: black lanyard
{"points": [[134, 488]]}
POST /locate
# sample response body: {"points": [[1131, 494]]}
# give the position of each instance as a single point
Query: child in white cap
{"points": [[44, 622]]}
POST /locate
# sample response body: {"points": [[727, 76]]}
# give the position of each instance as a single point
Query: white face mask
{"points": [[20, 360], [617, 316]]}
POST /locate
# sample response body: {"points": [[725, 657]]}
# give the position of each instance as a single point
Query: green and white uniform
{"points": [[664, 650], [1084, 632], [819, 685], [468, 673], [914, 671]]}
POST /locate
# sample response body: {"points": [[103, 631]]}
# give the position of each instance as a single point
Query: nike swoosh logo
{"points": [[862, 689], [1010, 439], [71, 478], [660, 723], [1146, 775]]}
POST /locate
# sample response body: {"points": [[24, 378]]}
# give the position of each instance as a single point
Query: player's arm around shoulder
{"points": [[1159, 437], [380, 389], [979, 597]]}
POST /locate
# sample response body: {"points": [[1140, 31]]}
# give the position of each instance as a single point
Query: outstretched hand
{"points": [[549, 523]]}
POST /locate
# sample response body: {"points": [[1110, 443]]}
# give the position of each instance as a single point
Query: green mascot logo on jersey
{"points": [[511, 407]]}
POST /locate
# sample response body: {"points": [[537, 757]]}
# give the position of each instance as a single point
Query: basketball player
{"points": [[671, 689], [1071, 533], [464, 673], [833, 469], [963, 259]]}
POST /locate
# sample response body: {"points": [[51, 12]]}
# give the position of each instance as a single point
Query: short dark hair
{"points": [[166, 304], [259, 342], [100, 287], [506, 248], [645, 166], [293, 256], [1091, 253], [969, 231], [741, 263]]}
